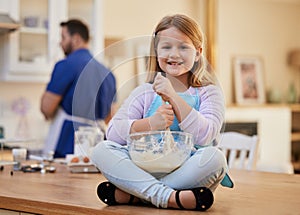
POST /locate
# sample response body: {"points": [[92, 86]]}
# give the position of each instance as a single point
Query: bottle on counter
{"points": [[292, 94]]}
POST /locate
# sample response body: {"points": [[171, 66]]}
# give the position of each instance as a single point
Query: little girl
{"points": [[180, 93]]}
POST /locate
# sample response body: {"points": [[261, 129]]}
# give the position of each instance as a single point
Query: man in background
{"points": [[81, 90]]}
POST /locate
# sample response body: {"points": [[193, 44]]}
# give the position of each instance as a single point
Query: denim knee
{"points": [[98, 150], [214, 158]]}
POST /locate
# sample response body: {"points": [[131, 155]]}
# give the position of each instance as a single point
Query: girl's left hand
{"points": [[163, 87]]}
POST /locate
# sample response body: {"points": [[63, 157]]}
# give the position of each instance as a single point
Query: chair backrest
{"points": [[240, 149]]}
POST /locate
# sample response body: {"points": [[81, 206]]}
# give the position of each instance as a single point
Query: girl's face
{"points": [[175, 52]]}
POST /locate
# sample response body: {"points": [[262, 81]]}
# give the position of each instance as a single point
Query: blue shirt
{"points": [[87, 88]]}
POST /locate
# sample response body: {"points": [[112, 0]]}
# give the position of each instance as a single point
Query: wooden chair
{"points": [[240, 149]]}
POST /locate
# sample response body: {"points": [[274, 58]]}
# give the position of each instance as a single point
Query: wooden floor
{"points": [[63, 192]]}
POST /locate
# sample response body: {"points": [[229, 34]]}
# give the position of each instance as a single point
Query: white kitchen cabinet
{"points": [[34, 48], [274, 134]]}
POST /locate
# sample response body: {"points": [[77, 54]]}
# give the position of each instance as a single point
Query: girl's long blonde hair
{"points": [[200, 74]]}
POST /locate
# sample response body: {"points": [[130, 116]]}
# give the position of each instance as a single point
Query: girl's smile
{"points": [[176, 52]]}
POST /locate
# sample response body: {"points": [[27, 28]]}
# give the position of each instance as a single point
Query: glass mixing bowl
{"points": [[160, 151]]}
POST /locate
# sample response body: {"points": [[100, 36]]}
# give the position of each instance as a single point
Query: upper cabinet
{"points": [[91, 12], [34, 48]]}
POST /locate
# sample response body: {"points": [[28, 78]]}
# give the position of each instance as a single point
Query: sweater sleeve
{"points": [[206, 123], [133, 108]]}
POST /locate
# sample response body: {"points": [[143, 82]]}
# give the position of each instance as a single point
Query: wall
{"points": [[33, 124], [265, 28], [132, 18]]}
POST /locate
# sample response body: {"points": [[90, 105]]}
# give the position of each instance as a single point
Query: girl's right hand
{"points": [[163, 118], [163, 87]]}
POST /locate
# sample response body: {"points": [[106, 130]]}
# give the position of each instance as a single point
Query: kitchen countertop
{"points": [[64, 192], [61, 192]]}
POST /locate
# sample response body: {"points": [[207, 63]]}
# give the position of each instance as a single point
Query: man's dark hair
{"points": [[76, 26]]}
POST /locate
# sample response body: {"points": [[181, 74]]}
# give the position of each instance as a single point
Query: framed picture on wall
{"points": [[248, 79]]}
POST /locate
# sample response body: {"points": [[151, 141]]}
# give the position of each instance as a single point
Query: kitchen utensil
{"points": [[168, 140]]}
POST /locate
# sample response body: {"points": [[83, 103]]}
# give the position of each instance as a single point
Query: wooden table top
{"points": [[63, 192]]}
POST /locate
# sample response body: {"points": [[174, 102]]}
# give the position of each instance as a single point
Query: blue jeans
{"points": [[205, 168]]}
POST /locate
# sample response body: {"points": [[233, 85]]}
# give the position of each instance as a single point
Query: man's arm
{"points": [[49, 104]]}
